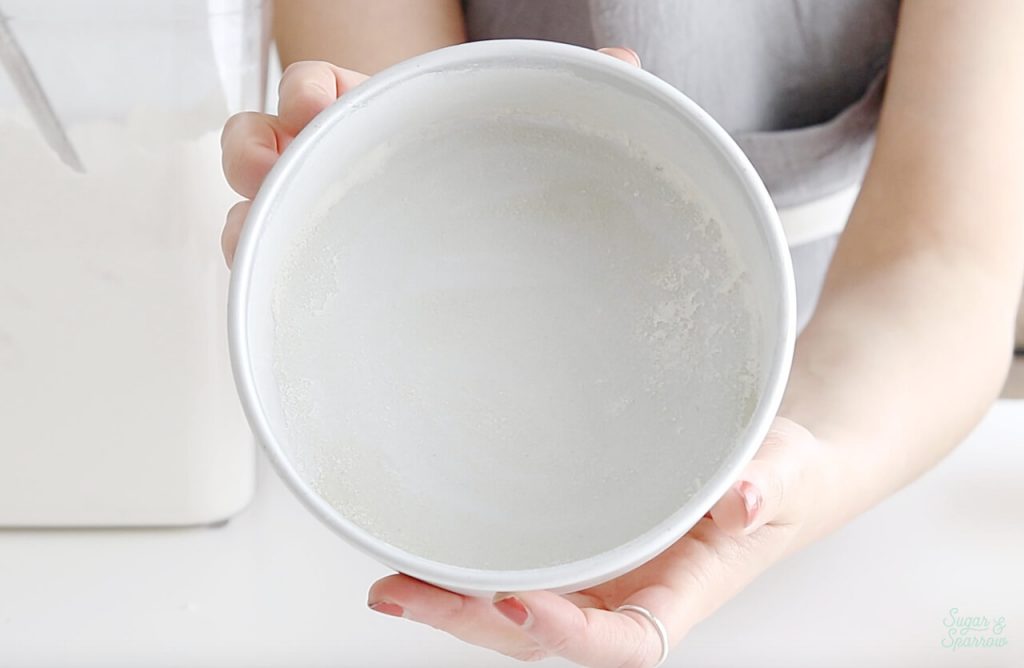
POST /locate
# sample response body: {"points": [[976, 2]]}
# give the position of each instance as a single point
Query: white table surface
{"points": [[275, 588]]}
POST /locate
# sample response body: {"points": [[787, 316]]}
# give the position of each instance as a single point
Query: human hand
{"points": [[752, 526], [252, 142]]}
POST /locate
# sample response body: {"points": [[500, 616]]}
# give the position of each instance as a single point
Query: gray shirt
{"points": [[797, 83]]}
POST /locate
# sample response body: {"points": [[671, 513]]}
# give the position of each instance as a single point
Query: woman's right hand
{"points": [[252, 142]]}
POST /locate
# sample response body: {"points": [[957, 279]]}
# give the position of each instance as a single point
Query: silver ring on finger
{"points": [[656, 623]]}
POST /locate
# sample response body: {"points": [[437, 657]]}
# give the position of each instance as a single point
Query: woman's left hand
{"points": [[751, 527]]}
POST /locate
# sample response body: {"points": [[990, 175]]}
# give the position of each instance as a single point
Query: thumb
{"points": [[307, 88], [773, 486], [623, 53]]}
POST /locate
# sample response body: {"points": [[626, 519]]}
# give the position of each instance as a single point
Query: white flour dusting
{"points": [[512, 375]]}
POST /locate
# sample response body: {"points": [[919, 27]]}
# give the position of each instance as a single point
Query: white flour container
{"points": [[116, 400]]}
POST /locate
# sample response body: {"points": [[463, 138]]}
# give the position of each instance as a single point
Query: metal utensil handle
{"points": [[32, 94]]}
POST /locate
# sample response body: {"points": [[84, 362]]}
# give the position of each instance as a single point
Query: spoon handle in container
{"points": [[25, 81]]}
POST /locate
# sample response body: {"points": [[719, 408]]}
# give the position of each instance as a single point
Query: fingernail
{"points": [[513, 608], [318, 87], [639, 63], [752, 501], [386, 608]]}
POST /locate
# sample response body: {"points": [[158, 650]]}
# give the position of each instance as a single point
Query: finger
{"points": [[706, 568], [474, 620], [233, 230], [588, 636], [768, 489], [250, 143], [307, 88], [623, 53]]}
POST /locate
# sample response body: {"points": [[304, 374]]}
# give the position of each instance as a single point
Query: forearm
{"points": [[890, 380], [364, 35], [914, 329]]}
